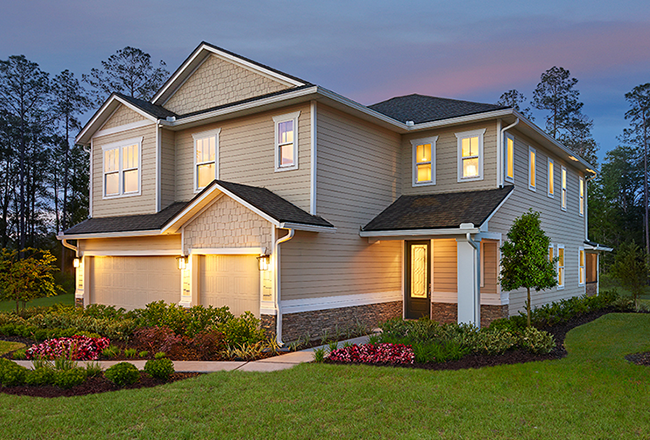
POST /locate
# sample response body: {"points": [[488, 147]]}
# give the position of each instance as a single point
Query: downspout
{"points": [[278, 308], [500, 148], [477, 280], [65, 243]]}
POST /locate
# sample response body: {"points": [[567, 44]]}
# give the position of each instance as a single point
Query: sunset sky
{"points": [[366, 50]]}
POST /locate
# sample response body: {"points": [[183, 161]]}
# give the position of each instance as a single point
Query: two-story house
{"points": [[243, 186]]}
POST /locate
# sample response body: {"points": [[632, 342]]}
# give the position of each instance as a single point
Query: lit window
{"points": [[470, 155], [563, 189], [581, 267], [122, 168], [424, 161], [551, 178], [560, 267], [582, 196], [286, 141], [532, 154], [510, 158], [551, 252], [206, 158]]}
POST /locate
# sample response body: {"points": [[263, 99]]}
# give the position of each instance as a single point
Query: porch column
{"points": [[468, 282]]}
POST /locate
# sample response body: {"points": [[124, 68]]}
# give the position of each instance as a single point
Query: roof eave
{"points": [[395, 233], [120, 234]]}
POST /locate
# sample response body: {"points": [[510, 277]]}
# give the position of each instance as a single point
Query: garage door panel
{"points": [[133, 282], [230, 280]]}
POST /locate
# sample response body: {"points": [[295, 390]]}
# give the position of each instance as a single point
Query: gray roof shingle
{"points": [[157, 111], [436, 211], [421, 108]]}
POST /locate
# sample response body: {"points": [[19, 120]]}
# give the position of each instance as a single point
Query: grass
{"points": [[6, 346], [592, 393], [67, 299]]}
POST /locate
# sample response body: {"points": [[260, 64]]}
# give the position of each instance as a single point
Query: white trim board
{"points": [[487, 299], [337, 302], [121, 128], [228, 251], [132, 253]]}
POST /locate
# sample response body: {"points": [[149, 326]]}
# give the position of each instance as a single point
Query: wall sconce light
{"points": [[75, 263], [182, 262], [264, 262]]}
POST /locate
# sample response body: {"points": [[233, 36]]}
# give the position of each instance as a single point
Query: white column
{"points": [[468, 282]]}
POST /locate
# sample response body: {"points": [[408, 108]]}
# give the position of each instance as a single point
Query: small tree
{"points": [[631, 269], [525, 258], [25, 279]]}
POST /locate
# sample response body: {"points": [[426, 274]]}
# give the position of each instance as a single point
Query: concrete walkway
{"points": [[275, 363]]}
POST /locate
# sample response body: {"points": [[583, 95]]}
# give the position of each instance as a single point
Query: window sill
{"points": [[291, 168], [121, 196]]}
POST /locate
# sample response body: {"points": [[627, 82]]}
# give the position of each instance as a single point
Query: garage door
{"points": [[230, 280], [133, 282]]}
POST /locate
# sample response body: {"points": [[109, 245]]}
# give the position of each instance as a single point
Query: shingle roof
{"points": [[272, 204], [435, 211], [127, 223], [421, 108], [154, 110]]}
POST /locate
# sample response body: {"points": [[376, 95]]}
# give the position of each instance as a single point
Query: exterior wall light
{"points": [[75, 263], [182, 262], [263, 262]]}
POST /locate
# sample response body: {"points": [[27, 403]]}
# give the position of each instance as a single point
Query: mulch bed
{"points": [[92, 385], [639, 358], [519, 356]]}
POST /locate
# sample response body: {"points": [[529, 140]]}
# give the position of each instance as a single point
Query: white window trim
{"points": [[582, 189], [415, 142], [277, 120], [118, 146], [532, 186], [582, 278], [204, 135], [563, 188], [551, 178], [563, 267], [507, 156], [460, 137]]}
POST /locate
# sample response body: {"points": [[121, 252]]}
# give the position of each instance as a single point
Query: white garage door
{"points": [[230, 280], [133, 282]]}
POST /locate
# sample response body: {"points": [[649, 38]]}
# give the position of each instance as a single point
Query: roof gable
{"points": [[210, 68]]}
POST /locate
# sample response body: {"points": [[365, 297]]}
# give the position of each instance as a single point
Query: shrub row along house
{"points": [[243, 186]]}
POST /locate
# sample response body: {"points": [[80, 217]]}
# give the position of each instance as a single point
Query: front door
{"points": [[417, 289]]}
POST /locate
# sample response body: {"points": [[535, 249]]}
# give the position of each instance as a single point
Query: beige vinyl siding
{"points": [[141, 244], [217, 82], [490, 266], [168, 167], [145, 203], [247, 156], [444, 266], [122, 116], [447, 160], [562, 227], [356, 179]]}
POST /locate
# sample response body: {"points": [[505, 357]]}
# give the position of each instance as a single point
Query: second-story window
{"points": [[510, 158], [286, 141], [532, 168], [122, 168], [424, 161], [563, 189], [582, 196], [551, 178], [206, 158], [470, 155]]}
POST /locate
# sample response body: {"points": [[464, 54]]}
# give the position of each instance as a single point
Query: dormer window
{"points": [[424, 161], [470, 155], [206, 158], [286, 141], [122, 168]]}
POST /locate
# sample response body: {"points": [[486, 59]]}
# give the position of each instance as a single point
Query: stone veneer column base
{"points": [[592, 289], [448, 313], [319, 322], [79, 303], [268, 324]]}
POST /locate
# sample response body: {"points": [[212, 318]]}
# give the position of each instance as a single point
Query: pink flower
{"points": [[374, 354]]}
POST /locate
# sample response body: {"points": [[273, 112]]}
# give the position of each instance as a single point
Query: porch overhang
{"points": [[591, 246], [408, 234]]}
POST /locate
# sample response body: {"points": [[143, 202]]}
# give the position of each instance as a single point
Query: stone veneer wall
{"points": [[592, 289], [79, 303], [297, 325], [448, 313]]}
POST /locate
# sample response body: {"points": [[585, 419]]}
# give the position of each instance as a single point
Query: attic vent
{"points": [[171, 118], [410, 123]]}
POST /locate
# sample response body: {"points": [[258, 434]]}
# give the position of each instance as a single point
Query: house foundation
{"points": [[448, 313]]}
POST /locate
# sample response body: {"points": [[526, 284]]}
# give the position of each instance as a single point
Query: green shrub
{"points": [[493, 342], [182, 321], [159, 355], [537, 341], [143, 354], [435, 351], [122, 374], [40, 377], [159, 368], [19, 354], [67, 379], [130, 352], [111, 351], [93, 369], [11, 374], [244, 329], [319, 354]]}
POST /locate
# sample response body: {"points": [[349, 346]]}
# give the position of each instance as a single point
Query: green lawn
{"points": [[6, 346], [67, 298], [593, 393]]}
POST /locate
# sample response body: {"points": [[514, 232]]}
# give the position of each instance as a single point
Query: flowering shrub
{"points": [[77, 347], [374, 354]]}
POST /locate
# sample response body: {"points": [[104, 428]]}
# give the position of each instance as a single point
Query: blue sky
{"points": [[366, 50]]}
